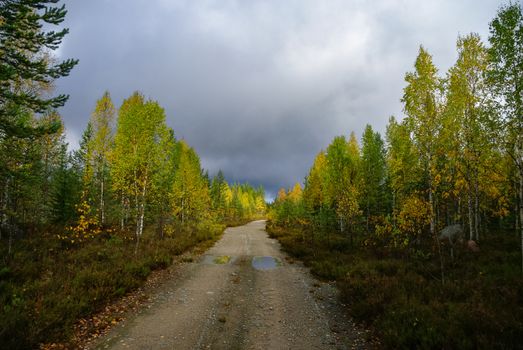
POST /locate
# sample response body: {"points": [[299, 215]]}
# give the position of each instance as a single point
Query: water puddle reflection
{"points": [[217, 259], [265, 262]]}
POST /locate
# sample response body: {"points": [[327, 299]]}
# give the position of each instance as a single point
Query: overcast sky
{"points": [[258, 88]]}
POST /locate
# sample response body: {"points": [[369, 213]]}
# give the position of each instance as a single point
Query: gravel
{"points": [[227, 304]]}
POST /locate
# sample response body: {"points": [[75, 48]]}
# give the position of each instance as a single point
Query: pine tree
{"points": [[373, 173], [219, 202], [24, 64], [66, 189]]}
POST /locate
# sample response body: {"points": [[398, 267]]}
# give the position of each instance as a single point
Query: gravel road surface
{"points": [[243, 293]]}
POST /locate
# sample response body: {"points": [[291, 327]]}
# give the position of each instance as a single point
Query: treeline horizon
{"points": [[129, 170], [455, 157]]}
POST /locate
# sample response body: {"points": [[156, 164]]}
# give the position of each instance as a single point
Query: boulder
{"points": [[472, 246], [451, 232]]}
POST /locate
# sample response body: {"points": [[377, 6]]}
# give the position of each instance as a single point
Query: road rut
{"points": [[221, 301]]}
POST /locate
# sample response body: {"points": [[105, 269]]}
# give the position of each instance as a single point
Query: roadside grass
{"points": [[403, 301], [48, 284]]}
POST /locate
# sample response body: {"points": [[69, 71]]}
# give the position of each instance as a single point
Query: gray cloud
{"points": [[259, 87]]}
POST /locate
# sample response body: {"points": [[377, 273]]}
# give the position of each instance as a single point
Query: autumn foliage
{"points": [[371, 216]]}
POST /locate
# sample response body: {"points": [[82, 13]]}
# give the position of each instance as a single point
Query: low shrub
{"points": [[402, 298], [48, 284]]}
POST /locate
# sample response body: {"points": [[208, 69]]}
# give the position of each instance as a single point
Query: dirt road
{"points": [[244, 293]]}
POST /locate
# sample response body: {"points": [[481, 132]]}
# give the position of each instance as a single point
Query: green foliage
{"points": [[505, 77], [137, 154], [373, 167], [236, 204], [403, 166], [137, 175], [190, 191], [440, 166], [505, 71], [26, 69], [331, 194], [98, 148], [66, 188]]}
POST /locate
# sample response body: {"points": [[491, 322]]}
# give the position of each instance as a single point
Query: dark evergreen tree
{"points": [[26, 68]]}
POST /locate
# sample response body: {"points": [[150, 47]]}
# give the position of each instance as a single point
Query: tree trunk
{"points": [[183, 211], [122, 215], [471, 216], [368, 214], [476, 207], [394, 209], [433, 225], [140, 214], [351, 235], [102, 202], [11, 241], [3, 222], [521, 211], [136, 245], [141, 219], [516, 211], [431, 202], [142, 208], [517, 206], [139, 226]]}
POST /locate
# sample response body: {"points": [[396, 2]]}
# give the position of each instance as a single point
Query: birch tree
{"points": [[505, 75], [98, 149], [422, 107], [373, 173], [137, 154], [190, 193], [402, 163], [466, 123]]}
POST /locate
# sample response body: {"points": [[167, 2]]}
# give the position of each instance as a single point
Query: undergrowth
{"points": [[47, 284], [480, 305]]}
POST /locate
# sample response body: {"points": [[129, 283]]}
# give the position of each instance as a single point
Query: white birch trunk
{"points": [[102, 202]]}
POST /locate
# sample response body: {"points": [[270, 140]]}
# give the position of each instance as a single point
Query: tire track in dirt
{"points": [[218, 304]]}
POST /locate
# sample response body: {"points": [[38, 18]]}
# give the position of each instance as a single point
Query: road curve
{"points": [[221, 301]]}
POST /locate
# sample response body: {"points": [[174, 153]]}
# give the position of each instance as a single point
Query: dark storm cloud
{"points": [[259, 87]]}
